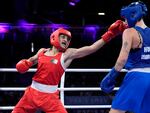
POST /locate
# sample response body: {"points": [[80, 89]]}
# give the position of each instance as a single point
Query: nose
{"points": [[65, 38]]}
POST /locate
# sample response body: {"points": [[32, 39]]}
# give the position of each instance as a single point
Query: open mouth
{"points": [[64, 44]]}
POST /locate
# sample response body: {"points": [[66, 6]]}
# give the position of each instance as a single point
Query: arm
{"points": [[125, 49], [115, 29], [72, 53], [23, 65], [108, 82], [86, 50]]}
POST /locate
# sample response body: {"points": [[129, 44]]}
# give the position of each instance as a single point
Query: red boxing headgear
{"points": [[54, 38]]}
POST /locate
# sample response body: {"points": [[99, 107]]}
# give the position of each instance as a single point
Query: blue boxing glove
{"points": [[108, 82]]}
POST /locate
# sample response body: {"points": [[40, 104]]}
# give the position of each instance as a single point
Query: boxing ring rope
{"points": [[62, 88]]}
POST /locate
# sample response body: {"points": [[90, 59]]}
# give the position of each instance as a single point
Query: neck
{"points": [[141, 24], [54, 51]]}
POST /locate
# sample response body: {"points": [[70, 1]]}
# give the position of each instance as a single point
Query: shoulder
{"points": [[42, 49], [129, 33], [67, 52], [70, 52]]}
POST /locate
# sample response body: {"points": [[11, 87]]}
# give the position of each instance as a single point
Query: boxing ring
{"points": [[62, 88]]}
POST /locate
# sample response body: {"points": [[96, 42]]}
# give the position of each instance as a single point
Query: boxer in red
{"points": [[43, 92]]}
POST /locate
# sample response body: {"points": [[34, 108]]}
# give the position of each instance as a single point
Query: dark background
{"points": [[59, 11]]}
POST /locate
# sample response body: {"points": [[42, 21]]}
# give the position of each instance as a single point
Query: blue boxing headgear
{"points": [[134, 12]]}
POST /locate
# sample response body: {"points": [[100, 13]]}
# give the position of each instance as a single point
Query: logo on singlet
{"points": [[146, 54], [54, 61]]}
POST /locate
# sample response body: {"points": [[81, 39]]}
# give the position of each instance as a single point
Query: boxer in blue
{"points": [[134, 92]]}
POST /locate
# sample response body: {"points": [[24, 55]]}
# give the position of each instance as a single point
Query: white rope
{"points": [[61, 89], [67, 70], [12, 88], [68, 107], [6, 107], [86, 106]]}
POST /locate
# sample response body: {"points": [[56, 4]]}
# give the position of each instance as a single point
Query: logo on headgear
{"points": [[134, 12], [54, 38]]}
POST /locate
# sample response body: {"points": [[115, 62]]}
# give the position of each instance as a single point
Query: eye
{"points": [[68, 38], [62, 36]]}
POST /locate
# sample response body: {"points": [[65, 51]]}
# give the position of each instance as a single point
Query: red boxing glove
{"points": [[23, 65], [115, 29]]}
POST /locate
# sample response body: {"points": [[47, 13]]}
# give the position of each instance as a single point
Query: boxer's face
{"points": [[64, 41]]}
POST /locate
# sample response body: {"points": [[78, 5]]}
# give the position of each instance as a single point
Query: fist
{"points": [[115, 29], [23, 65], [108, 82]]}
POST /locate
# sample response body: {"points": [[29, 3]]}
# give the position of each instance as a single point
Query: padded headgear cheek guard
{"points": [[54, 38], [134, 12]]}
